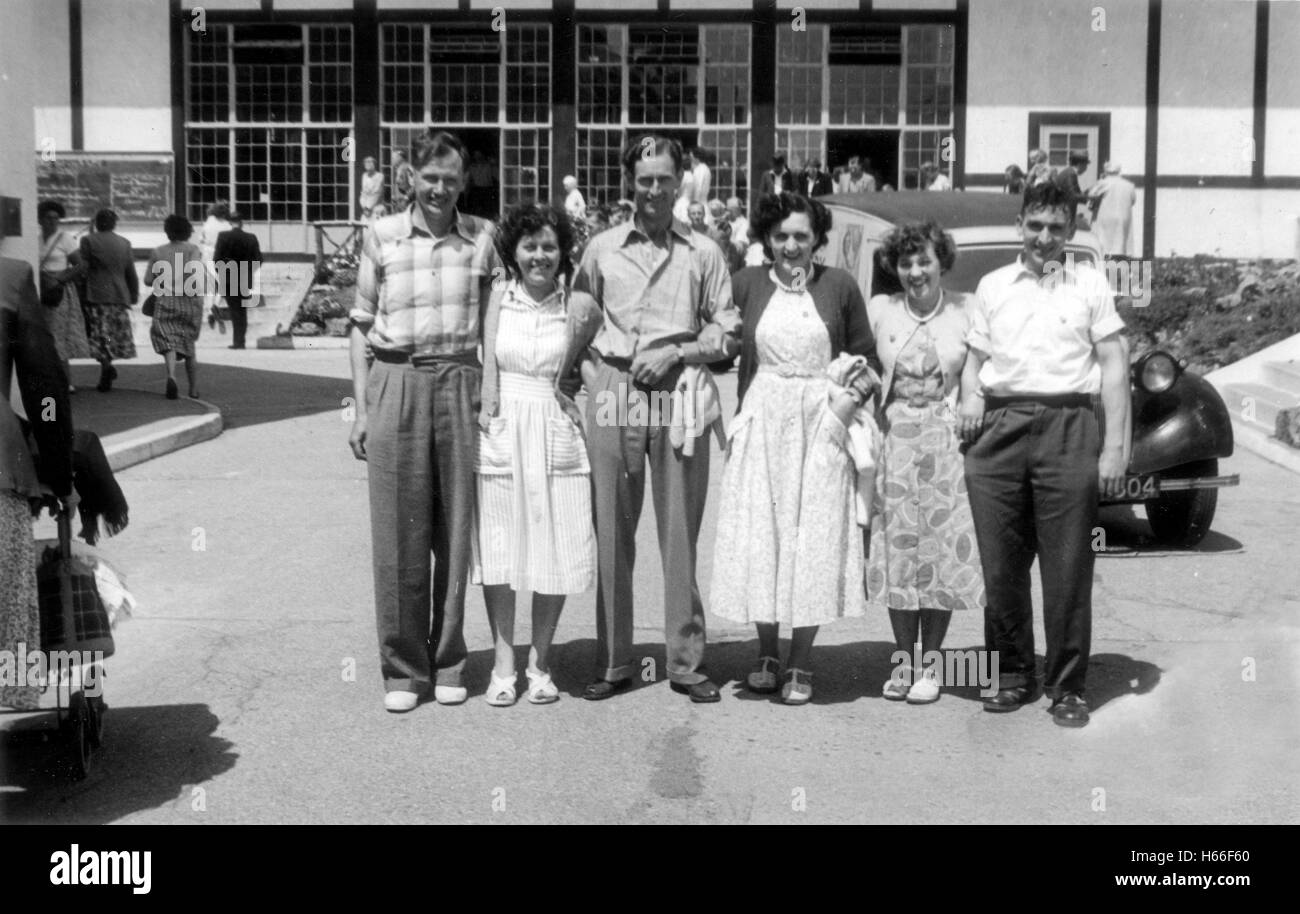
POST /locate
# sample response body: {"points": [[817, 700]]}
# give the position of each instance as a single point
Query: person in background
{"points": [[27, 351], [574, 204], [934, 179], [1013, 180], [60, 268], [372, 186], [217, 221], [1112, 199], [924, 562], [178, 311], [534, 530], [666, 297], [814, 182], [1039, 170], [857, 180], [238, 260], [778, 178], [416, 421], [1043, 341], [1068, 180], [702, 180], [112, 287], [739, 224], [403, 180], [789, 550], [695, 218], [379, 211]]}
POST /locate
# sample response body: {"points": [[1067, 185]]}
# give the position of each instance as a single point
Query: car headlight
{"points": [[1159, 371]]}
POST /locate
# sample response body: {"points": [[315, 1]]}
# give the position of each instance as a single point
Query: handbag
{"points": [[150, 303], [51, 288]]}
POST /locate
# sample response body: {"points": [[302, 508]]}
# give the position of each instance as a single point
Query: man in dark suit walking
{"points": [[237, 257]]}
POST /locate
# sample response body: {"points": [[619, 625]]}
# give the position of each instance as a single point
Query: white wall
{"points": [[126, 66], [1282, 124], [1232, 223], [53, 102], [20, 61], [1207, 65]]}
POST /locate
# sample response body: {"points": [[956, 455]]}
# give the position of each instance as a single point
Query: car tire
{"points": [[1183, 518]]}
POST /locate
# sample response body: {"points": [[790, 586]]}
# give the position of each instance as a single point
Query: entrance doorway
{"points": [[482, 193], [880, 146]]}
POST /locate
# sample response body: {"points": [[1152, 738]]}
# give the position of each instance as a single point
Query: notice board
{"points": [[137, 186]]}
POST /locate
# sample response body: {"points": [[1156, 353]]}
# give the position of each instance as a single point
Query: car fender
{"points": [[1187, 423]]}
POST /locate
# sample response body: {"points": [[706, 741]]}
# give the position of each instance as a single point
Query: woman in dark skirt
{"points": [[111, 289], [178, 278]]}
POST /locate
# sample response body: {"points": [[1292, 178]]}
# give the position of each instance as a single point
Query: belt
{"points": [[416, 360], [1055, 401]]}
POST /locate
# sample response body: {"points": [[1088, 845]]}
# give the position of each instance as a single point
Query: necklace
{"points": [[925, 318]]}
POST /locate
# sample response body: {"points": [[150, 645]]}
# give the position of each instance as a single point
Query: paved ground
{"points": [[232, 700]]}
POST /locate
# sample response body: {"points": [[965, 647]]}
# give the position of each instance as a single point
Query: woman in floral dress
{"points": [[924, 562], [789, 550]]}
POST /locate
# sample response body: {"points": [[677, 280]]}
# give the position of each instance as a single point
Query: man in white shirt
{"points": [[574, 203], [739, 224], [934, 179], [1044, 339], [857, 180]]}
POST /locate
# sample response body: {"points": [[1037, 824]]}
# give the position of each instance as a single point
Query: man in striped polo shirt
{"points": [[425, 272]]}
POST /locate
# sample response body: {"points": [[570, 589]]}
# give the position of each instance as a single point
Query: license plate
{"points": [[1139, 487]]}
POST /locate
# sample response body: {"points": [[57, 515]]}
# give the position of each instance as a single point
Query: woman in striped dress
{"points": [[535, 528], [178, 277]]}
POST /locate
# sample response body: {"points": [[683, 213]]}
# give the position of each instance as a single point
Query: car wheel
{"points": [[1183, 518]]}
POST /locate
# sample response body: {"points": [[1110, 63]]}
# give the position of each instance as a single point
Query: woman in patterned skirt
{"points": [[789, 550], [27, 350], [534, 528], [111, 289], [60, 267], [178, 278], [923, 560]]}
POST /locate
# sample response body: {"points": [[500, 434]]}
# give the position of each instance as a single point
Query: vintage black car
{"points": [[1180, 425]]}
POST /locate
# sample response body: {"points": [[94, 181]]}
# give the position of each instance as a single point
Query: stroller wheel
{"points": [[96, 708], [77, 737]]}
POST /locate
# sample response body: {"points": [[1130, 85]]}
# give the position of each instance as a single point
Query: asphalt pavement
{"points": [[247, 690]]}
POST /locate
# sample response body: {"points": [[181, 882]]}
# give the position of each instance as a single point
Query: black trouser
{"points": [[1032, 481], [238, 317]]}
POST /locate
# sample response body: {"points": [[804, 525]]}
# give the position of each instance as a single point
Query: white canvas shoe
{"points": [[924, 690], [450, 695], [399, 702]]}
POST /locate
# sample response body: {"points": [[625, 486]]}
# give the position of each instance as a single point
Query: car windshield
{"points": [[971, 266]]}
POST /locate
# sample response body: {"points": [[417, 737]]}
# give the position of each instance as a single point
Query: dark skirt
{"points": [[176, 324], [108, 327]]}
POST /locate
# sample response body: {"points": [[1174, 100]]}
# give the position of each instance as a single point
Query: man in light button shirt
{"points": [[1044, 339], [666, 295]]}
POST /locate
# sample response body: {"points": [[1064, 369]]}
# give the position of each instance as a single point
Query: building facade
{"points": [[273, 104]]}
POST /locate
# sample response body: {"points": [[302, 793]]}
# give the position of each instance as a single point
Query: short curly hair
{"points": [[529, 219], [913, 238], [51, 206], [177, 228], [774, 209]]}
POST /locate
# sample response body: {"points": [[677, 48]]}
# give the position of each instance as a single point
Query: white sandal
{"points": [[541, 689], [501, 692]]}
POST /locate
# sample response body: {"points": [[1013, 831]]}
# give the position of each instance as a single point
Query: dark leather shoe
{"points": [[1010, 699], [1070, 710], [601, 689], [703, 693]]}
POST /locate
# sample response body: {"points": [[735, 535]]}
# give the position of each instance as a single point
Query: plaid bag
{"points": [[90, 628]]}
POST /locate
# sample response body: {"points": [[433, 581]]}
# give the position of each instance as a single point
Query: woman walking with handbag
{"points": [[178, 277], [60, 268], [111, 289]]}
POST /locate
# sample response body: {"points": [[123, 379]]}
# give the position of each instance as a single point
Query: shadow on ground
{"points": [[1129, 534], [246, 396], [151, 757]]}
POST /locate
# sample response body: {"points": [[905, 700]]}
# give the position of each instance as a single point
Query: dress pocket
{"points": [[495, 450], [566, 450]]}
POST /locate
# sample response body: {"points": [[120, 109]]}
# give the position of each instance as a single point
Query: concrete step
{"points": [[1285, 376], [1257, 405]]}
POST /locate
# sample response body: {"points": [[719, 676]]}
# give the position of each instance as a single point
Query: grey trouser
{"points": [[421, 441], [618, 456]]}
